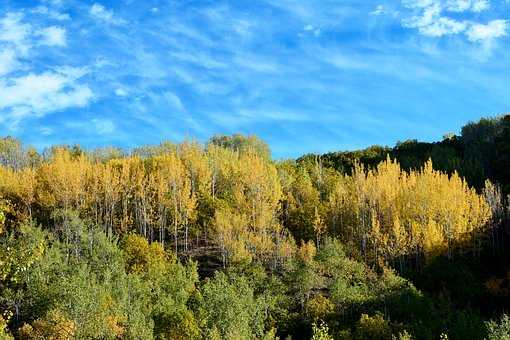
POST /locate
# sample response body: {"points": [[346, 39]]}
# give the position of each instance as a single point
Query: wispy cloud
{"points": [[121, 92], [378, 10], [174, 101], [103, 126], [51, 13], [100, 12]]}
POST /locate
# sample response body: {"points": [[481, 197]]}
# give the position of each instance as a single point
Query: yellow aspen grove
{"points": [[197, 166], [231, 236], [301, 199], [342, 214], [126, 168], [199, 173], [26, 184], [140, 195], [434, 240], [421, 213], [64, 179], [252, 205], [110, 186], [161, 196], [20, 186], [251, 188], [318, 226], [180, 202]]}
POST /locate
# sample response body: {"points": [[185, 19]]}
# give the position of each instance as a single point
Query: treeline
{"points": [[480, 152], [218, 241]]}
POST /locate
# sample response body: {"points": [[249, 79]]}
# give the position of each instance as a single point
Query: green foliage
{"points": [[2, 222], [242, 144], [4, 333], [403, 336], [302, 249], [320, 332], [228, 306], [372, 327], [499, 330]]}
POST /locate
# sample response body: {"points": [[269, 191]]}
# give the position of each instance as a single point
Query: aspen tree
{"points": [[493, 197], [25, 183], [318, 226], [65, 178], [199, 175], [180, 203], [406, 214]]}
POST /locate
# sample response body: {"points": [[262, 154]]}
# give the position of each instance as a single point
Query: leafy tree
{"points": [[228, 307], [499, 330], [242, 144], [320, 332], [373, 327]]}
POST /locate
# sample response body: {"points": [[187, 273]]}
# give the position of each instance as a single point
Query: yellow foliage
{"points": [[140, 256], [373, 327], [307, 251], [319, 307], [421, 212], [55, 326], [114, 323]]}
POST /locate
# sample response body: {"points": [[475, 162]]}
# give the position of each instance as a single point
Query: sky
{"points": [[304, 75]]}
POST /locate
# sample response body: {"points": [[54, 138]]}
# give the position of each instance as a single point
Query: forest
{"points": [[218, 240]]}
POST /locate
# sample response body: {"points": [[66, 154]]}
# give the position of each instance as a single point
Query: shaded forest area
{"points": [[219, 241]]}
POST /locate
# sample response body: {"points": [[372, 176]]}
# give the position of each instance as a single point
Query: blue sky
{"points": [[306, 76]]}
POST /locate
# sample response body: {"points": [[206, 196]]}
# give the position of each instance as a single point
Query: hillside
{"points": [[219, 241]]}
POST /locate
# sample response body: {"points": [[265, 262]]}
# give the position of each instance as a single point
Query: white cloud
{"points": [[342, 61], [38, 94], [30, 93], [200, 59], [54, 2], [379, 9], [53, 36], [255, 63], [100, 12], [45, 131], [467, 5], [52, 14], [246, 116], [314, 30], [432, 19], [431, 23], [121, 92], [173, 100], [103, 126], [17, 39], [8, 62], [14, 32], [482, 33]]}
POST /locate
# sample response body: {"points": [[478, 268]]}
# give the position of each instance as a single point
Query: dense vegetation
{"points": [[218, 241]]}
